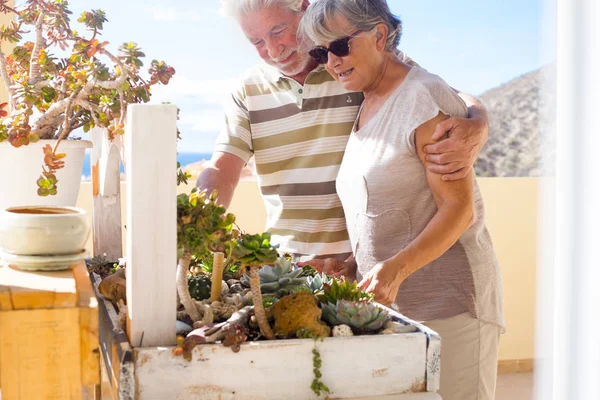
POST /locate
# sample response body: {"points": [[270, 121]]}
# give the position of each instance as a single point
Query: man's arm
{"points": [[223, 174], [454, 156]]}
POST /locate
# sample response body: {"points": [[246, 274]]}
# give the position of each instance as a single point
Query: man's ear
{"points": [[381, 35], [305, 4]]}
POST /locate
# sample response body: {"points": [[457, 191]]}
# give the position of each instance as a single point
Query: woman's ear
{"points": [[381, 35], [305, 4]]}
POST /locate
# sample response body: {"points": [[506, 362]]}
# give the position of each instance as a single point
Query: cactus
{"points": [[199, 286], [282, 278], [361, 316]]}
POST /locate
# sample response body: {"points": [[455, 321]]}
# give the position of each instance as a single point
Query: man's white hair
{"points": [[236, 8]]}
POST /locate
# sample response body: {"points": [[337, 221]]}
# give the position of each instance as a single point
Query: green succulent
{"points": [[315, 283], [202, 224], [307, 270], [254, 249], [342, 290], [282, 278], [199, 286], [361, 316], [204, 262]]}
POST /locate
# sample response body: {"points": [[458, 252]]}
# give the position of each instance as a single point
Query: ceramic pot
{"points": [[21, 167], [43, 230]]}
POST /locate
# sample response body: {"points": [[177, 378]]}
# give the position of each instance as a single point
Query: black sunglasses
{"points": [[339, 47]]}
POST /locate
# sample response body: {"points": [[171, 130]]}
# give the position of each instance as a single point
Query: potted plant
{"points": [[51, 96]]}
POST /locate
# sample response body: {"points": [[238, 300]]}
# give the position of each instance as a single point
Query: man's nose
{"points": [[274, 48]]}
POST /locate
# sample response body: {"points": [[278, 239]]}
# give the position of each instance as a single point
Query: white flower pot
{"points": [[21, 167], [42, 231]]}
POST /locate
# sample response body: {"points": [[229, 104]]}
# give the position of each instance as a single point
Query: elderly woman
{"points": [[420, 242]]}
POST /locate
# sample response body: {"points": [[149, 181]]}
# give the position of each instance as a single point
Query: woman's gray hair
{"points": [[363, 15], [237, 8]]}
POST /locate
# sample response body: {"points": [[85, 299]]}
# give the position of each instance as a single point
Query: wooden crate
{"points": [[48, 334]]}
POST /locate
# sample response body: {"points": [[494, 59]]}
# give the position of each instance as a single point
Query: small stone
{"points": [[397, 327], [224, 288], [342, 331], [236, 288], [182, 328], [231, 282]]}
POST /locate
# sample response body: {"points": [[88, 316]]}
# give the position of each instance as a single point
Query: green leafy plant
{"points": [[317, 384], [281, 278], [343, 290], [361, 316], [51, 97], [253, 251], [202, 226], [203, 262]]}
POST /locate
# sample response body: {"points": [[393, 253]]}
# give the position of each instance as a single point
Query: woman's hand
{"points": [[383, 281], [333, 267]]}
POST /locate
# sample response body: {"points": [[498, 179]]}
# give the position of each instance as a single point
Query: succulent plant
{"points": [[203, 263], [253, 251], [361, 316], [342, 290], [202, 226], [307, 270], [282, 278], [199, 285], [315, 283]]}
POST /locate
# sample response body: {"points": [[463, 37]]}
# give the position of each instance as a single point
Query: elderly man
{"points": [[295, 119]]}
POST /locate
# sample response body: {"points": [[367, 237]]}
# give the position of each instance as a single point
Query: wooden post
{"points": [[217, 276], [106, 201], [151, 235]]}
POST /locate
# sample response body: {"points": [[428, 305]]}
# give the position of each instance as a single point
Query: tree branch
{"points": [[67, 122], [7, 82], [34, 67]]}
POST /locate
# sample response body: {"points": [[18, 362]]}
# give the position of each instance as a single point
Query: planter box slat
{"points": [[283, 369]]}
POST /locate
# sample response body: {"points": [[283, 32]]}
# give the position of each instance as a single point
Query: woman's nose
{"points": [[333, 60]]}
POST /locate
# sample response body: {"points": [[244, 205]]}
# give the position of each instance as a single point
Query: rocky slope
{"points": [[515, 145]]}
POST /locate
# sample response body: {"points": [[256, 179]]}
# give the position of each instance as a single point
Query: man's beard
{"points": [[298, 66]]}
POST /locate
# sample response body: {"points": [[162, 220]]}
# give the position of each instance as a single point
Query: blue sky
{"points": [[473, 45]]}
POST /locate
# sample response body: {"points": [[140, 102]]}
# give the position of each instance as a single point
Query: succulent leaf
{"points": [[361, 316]]}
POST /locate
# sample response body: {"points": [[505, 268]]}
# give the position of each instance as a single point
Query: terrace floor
{"points": [[515, 386]]}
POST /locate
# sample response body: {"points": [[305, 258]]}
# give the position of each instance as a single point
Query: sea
{"points": [[183, 158]]}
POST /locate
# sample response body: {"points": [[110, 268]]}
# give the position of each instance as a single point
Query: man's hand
{"points": [[459, 142], [333, 267], [383, 281]]}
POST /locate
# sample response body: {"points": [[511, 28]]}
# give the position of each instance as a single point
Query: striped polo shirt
{"points": [[297, 134]]}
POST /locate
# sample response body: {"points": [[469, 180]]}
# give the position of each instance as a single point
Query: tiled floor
{"points": [[515, 386]]}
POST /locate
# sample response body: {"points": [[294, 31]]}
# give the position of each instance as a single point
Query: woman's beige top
{"points": [[387, 202]]}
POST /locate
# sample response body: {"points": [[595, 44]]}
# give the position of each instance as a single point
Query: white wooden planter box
{"points": [[353, 367], [401, 366]]}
